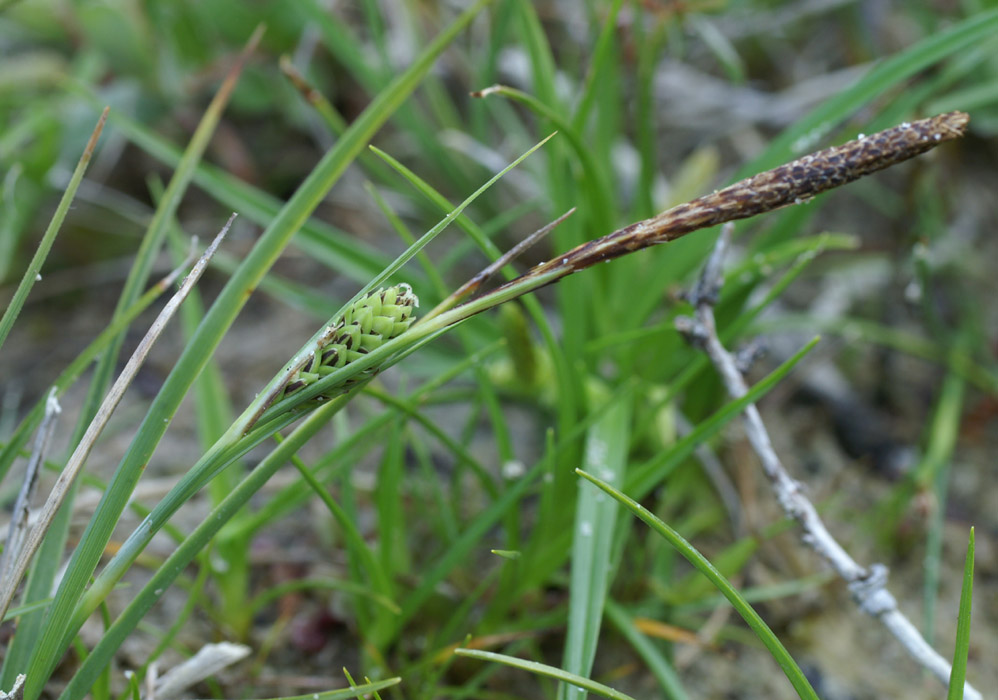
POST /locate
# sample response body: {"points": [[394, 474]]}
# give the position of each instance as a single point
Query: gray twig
{"points": [[868, 585], [16, 691], [19, 516], [209, 660]]}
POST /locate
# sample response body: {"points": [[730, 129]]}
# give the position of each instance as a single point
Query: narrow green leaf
{"points": [[33, 273], [512, 555], [545, 670], [355, 691], [690, 553], [102, 654], [641, 480], [962, 650]]}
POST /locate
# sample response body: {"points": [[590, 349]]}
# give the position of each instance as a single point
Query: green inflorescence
{"points": [[365, 326]]}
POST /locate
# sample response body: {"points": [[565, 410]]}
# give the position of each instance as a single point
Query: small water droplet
{"points": [[513, 469]]}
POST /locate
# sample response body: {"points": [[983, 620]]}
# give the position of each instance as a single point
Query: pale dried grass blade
{"points": [[33, 540]]}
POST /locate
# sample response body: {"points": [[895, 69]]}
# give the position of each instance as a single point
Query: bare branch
{"points": [[868, 586]]}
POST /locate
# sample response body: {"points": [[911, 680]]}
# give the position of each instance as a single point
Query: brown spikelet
{"points": [[792, 183]]}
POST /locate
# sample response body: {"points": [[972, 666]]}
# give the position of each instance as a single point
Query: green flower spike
{"points": [[365, 326]]}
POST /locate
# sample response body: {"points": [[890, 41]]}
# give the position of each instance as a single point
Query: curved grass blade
{"points": [[545, 670], [598, 189], [690, 553]]}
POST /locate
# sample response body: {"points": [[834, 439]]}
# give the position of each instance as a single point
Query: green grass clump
{"points": [[439, 502]]}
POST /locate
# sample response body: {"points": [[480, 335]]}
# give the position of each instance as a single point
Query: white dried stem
{"points": [[19, 517], [16, 691], [33, 540], [866, 584], [209, 660]]}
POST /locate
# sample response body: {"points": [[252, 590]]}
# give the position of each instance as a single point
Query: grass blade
{"points": [[643, 479], [545, 670], [690, 553], [593, 535], [32, 274], [102, 654], [657, 663], [962, 649], [64, 620]]}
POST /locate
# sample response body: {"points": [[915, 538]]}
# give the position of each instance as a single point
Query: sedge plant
{"points": [[598, 419]]}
